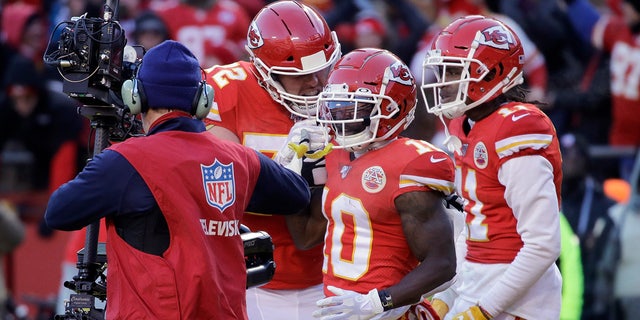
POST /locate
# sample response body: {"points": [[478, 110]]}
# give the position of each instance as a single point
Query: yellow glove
{"points": [[473, 313], [306, 138], [440, 307], [308, 158], [302, 150]]}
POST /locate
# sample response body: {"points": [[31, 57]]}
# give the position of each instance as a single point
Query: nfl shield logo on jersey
{"points": [[219, 184]]}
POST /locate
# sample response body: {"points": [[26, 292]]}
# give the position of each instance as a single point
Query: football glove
{"points": [[440, 307], [305, 150], [349, 305], [473, 313], [454, 201], [424, 310], [316, 138]]}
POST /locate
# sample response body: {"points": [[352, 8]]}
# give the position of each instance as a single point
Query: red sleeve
{"points": [[432, 169], [524, 130]]}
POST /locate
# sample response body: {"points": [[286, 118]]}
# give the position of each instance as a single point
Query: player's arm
{"points": [[222, 115], [307, 228], [429, 233], [443, 300], [223, 133], [538, 225], [278, 190]]}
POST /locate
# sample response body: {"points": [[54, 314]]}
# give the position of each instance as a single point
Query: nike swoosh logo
{"points": [[436, 160], [516, 118]]}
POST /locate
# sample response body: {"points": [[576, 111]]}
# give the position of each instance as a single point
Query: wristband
{"points": [[385, 298]]}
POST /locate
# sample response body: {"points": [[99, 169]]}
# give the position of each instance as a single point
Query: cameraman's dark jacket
{"points": [[167, 257]]}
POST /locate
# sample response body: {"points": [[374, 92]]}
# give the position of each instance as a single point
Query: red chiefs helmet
{"points": [[290, 38], [370, 96], [480, 56]]}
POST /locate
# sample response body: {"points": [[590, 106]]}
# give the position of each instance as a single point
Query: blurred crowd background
{"points": [[45, 142]]}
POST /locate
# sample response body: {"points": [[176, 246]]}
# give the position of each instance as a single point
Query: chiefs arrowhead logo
{"points": [[254, 38], [497, 37], [400, 73]]}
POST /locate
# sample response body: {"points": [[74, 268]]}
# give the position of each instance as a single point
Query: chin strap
{"points": [[453, 143]]}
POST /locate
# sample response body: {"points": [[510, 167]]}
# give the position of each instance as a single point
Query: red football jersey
{"points": [[514, 130], [224, 25], [615, 37], [365, 246], [245, 108]]}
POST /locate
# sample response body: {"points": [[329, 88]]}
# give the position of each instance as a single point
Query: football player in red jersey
{"points": [[388, 239], [256, 103], [204, 24], [508, 168]]}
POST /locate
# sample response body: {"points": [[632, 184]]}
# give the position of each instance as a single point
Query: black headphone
{"points": [[134, 98]]}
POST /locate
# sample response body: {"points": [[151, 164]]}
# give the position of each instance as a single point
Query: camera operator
{"points": [[173, 200]]}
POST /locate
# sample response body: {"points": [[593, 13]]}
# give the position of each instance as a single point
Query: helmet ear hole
{"points": [[491, 75], [501, 68]]}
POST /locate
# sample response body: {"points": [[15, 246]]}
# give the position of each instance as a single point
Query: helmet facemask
{"points": [[354, 117], [472, 77], [298, 105]]}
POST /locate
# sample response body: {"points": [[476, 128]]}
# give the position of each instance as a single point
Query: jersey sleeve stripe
{"points": [[511, 145], [214, 113], [443, 186]]}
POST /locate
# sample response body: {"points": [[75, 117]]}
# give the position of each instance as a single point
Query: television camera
{"points": [[94, 60]]}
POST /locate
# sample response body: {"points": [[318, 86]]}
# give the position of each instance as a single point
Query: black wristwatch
{"points": [[385, 298]]}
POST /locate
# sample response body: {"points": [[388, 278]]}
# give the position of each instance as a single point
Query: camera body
{"points": [[258, 255], [93, 59], [94, 50]]}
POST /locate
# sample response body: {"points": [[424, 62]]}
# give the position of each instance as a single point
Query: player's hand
{"points": [[316, 134], [423, 311], [473, 313], [305, 150], [440, 307], [349, 305], [454, 201]]}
